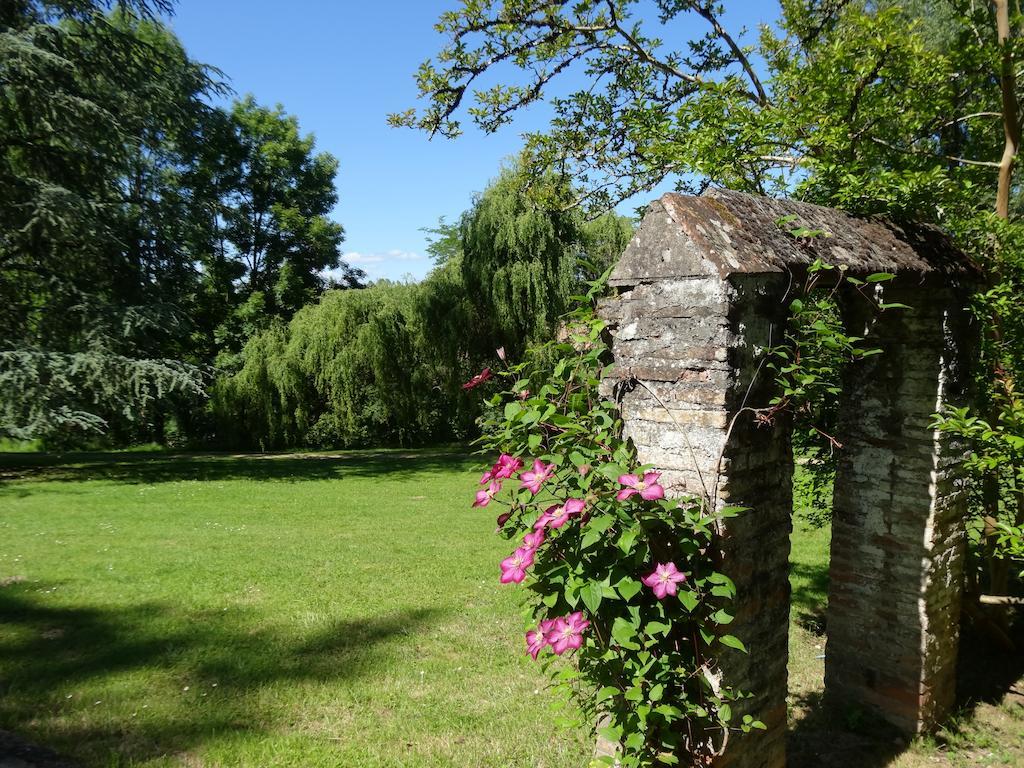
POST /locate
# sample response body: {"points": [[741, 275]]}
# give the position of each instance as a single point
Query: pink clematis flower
{"points": [[536, 638], [513, 567], [532, 479], [566, 632], [483, 498], [477, 380], [534, 539], [649, 488], [556, 516], [663, 579], [503, 468]]}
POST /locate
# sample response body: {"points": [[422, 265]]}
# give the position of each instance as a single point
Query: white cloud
{"points": [[355, 257], [394, 264]]}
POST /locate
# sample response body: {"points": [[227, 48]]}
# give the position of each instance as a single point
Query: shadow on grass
{"points": [[828, 734], [49, 652], [148, 468], [810, 596]]}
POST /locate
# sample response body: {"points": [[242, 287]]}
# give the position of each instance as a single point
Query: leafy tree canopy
{"points": [[854, 103], [144, 234]]}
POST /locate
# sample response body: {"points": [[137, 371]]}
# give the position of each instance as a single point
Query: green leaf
{"points": [[627, 538], [721, 616], [606, 693], [592, 595], [628, 587], [624, 633], [732, 642], [634, 741], [689, 599], [657, 628]]}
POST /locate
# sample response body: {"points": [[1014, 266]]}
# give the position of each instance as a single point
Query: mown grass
{"points": [[986, 730], [288, 611], [308, 610]]}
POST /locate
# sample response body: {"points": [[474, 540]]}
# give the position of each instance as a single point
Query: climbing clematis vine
{"points": [[536, 639], [556, 515], [532, 479], [503, 468], [477, 380], [566, 632], [663, 579], [513, 567], [648, 486], [534, 539], [483, 498]]}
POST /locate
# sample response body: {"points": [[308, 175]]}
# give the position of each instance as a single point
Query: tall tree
{"points": [[84, 312], [848, 101], [273, 237], [387, 364], [522, 261]]}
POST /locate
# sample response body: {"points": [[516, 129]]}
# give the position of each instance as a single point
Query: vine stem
{"points": [[686, 438]]}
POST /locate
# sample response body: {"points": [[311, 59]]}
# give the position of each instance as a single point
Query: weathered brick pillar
{"points": [[687, 343], [898, 526]]}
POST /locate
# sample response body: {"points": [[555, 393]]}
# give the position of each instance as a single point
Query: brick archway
{"points": [[702, 290]]}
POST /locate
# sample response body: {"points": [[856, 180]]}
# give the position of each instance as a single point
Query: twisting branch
{"points": [[950, 158], [706, 13], [633, 46]]}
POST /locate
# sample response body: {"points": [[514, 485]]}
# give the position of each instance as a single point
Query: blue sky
{"points": [[341, 67]]}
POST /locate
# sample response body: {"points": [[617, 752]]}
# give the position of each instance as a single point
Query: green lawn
{"points": [[303, 610], [285, 611]]}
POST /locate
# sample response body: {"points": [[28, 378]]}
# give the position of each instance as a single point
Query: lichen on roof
{"points": [[733, 232]]}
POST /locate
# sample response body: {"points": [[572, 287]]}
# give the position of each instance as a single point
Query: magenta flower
{"points": [[566, 632], [556, 516], [545, 517], [503, 468], [477, 380], [507, 466], [513, 567], [649, 488], [532, 479], [534, 539], [483, 498], [663, 579], [536, 639]]}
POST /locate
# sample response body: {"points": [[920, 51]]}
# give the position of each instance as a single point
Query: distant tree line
{"points": [[145, 235], [385, 365], [163, 260]]}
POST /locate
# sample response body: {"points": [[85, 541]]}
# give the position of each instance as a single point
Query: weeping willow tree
{"points": [[358, 368], [385, 365], [522, 262]]}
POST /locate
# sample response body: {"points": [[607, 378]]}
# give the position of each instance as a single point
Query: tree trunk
{"points": [[1011, 127]]}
